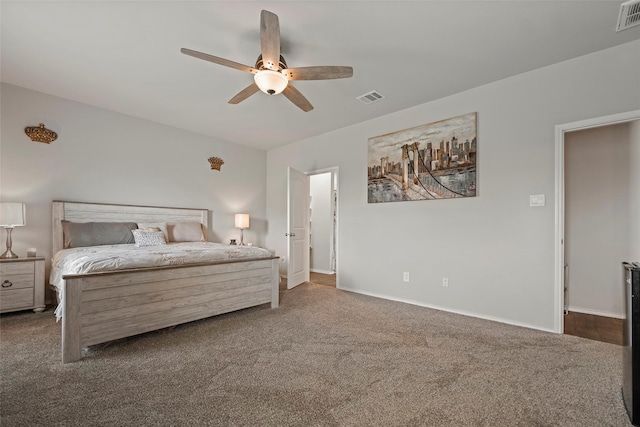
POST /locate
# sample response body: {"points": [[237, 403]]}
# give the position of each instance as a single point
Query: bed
{"points": [[100, 306]]}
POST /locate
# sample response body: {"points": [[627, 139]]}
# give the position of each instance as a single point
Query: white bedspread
{"points": [[93, 259]]}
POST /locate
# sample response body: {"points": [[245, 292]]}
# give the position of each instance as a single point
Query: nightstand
{"points": [[22, 284]]}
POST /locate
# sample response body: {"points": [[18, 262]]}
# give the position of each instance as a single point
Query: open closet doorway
{"points": [[323, 226], [597, 211]]}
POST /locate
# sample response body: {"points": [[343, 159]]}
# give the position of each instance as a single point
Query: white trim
{"points": [[315, 270], [559, 199], [558, 301], [596, 312], [448, 310], [321, 171]]}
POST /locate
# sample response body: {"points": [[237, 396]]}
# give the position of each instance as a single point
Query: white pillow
{"points": [[162, 226], [186, 231], [148, 237]]}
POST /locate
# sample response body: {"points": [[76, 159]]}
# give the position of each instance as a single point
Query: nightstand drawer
{"points": [[17, 275], [10, 269], [19, 298], [15, 281], [22, 284]]}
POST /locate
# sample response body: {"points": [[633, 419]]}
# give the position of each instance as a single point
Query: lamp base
{"points": [[8, 254]]}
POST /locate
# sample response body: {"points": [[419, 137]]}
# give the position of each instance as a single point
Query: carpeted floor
{"points": [[324, 358]]}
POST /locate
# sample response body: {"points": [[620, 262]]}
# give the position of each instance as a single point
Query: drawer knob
{"points": [[7, 284]]}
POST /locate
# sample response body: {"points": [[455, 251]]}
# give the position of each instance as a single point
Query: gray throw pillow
{"points": [[79, 234]]}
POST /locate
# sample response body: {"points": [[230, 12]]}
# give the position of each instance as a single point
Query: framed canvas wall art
{"points": [[432, 161]]}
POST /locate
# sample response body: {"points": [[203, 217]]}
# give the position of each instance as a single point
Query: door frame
{"points": [[560, 130], [336, 171]]}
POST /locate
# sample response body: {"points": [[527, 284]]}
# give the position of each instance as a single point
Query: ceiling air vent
{"points": [[629, 15], [371, 97]]}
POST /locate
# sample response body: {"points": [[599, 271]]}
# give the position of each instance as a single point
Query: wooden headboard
{"points": [[102, 212]]}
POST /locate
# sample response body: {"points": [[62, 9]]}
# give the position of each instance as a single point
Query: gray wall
{"points": [[599, 203], [102, 156], [497, 252]]}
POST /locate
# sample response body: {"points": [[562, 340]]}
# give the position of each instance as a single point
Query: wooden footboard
{"points": [[101, 307]]}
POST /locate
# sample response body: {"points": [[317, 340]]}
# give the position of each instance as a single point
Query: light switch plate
{"points": [[536, 200]]}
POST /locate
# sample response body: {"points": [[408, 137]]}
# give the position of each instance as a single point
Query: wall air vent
{"points": [[370, 98], [629, 15]]}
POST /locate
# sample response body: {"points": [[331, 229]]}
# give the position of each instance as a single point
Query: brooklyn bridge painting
{"points": [[432, 161]]}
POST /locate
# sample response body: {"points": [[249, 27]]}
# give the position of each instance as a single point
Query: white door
{"points": [[298, 228]]}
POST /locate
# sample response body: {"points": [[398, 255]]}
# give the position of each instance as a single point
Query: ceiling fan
{"points": [[271, 74]]}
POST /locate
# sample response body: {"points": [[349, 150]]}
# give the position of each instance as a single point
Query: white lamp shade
{"points": [[271, 82], [242, 220], [12, 214]]}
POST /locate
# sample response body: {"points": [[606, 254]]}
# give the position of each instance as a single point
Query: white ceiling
{"points": [[125, 56]]}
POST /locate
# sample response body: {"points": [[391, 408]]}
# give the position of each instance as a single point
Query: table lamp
{"points": [[242, 222], [11, 215]]}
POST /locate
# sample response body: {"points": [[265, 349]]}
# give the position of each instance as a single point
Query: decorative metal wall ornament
{"points": [[41, 134], [216, 163]]}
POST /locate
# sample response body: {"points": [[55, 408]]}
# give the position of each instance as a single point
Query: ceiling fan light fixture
{"points": [[271, 82]]}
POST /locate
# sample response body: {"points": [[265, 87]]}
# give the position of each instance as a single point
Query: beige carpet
{"points": [[324, 358]]}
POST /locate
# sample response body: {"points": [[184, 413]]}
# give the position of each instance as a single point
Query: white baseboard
{"points": [[315, 270], [596, 312], [448, 310]]}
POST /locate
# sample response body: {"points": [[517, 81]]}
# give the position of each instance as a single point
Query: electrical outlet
{"points": [[405, 276], [445, 282]]}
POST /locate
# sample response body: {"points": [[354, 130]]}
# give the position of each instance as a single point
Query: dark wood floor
{"points": [[599, 328], [323, 279], [317, 278]]}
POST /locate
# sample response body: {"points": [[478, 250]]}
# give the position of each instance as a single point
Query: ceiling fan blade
{"points": [[318, 73], [244, 93], [270, 39], [220, 61], [297, 98]]}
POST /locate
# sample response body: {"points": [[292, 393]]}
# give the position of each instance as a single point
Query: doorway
{"points": [[597, 224], [320, 256], [322, 223], [576, 205]]}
